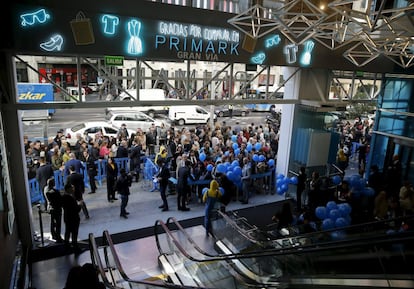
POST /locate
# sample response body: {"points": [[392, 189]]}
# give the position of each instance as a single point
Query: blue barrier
{"points": [[35, 195], [150, 169]]}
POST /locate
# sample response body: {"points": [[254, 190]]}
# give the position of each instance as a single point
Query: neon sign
{"points": [[307, 56], [272, 41], [110, 22], [134, 46], [258, 58], [54, 44], [30, 19]]}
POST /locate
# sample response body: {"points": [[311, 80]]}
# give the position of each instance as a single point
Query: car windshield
{"points": [[78, 127]]}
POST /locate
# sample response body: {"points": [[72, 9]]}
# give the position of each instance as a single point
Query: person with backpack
{"points": [[210, 197]]}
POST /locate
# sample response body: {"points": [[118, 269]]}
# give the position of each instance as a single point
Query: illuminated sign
{"points": [[258, 58], [110, 23], [30, 19], [271, 41], [307, 54], [161, 39], [134, 46], [53, 44], [191, 41], [114, 60]]}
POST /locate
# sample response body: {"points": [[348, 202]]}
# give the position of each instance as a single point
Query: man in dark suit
{"points": [[43, 173], [92, 170], [76, 180], [182, 186]]}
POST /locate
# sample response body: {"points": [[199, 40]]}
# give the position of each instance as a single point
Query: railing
{"points": [[106, 260], [375, 252], [36, 194]]}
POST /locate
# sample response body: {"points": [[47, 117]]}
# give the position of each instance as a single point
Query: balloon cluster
{"points": [[358, 187], [233, 170], [334, 215], [282, 183]]}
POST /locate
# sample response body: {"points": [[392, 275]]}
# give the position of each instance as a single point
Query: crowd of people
{"points": [[183, 154], [201, 153]]}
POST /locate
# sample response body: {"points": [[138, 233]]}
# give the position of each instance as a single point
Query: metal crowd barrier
{"points": [[36, 194]]}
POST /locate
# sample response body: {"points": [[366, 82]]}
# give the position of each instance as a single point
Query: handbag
{"points": [[82, 29]]}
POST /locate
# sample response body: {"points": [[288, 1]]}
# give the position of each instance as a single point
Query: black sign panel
{"points": [[52, 31]]}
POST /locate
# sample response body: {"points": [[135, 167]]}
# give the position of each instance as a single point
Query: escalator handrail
{"points": [[228, 257], [97, 262], [167, 231], [341, 244], [318, 233], [108, 240]]}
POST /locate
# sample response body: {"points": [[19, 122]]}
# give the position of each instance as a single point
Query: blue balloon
{"points": [[230, 175], [226, 153], [327, 224], [209, 167], [279, 190], [294, 180], [284, 188], [237, 171], [221, 168], [271, 163], [255, 158], [334, 214], [279, 182], [222, 191], [249, 147], [204, 191], [336, 180], [237, 151], [235, 146], [280, 176], [202, 157], [286, 180], [234, 138], [262, 158], [331, 205], [340, 222], [368, 191], [235, 163], [258, 146], [321, 213]]}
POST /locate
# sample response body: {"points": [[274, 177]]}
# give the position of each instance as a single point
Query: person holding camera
{"points": [[122, 186]]}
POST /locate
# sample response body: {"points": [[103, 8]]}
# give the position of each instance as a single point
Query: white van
{"points": [[74, 92], [144, 94], [188, 114]]}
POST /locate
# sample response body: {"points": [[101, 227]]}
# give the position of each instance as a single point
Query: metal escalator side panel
{"points": [[244, 270]]}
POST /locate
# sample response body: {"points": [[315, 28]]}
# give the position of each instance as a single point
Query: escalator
{"points": [[231, 261], [105, 258], [369, 259]]}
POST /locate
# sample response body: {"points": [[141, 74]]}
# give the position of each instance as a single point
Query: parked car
{"points": [[133, 120], [238, 110], [91, 129]]}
